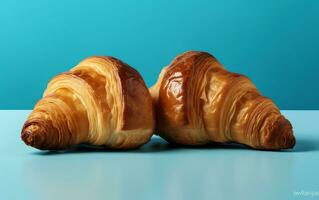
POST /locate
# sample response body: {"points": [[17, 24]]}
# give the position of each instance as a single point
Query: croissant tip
{"points": [[280, 136], [287, 139], [32, 136], [27, 138]]}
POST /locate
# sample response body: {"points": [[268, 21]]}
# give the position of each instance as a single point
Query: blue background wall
{"points": [[275, 43]]}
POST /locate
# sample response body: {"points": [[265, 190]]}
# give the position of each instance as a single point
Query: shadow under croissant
{"points": [[302, 145], [158, 144]]}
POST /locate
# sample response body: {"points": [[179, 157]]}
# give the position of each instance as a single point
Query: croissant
{"points": [[198, 101], [101, 101]]}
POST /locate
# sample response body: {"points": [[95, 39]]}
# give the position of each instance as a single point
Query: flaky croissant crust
{"points": [[101, 101], [198, 101]]}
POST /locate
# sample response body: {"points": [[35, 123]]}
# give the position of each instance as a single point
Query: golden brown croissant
{"points": [[198, 101], [101, 101]]}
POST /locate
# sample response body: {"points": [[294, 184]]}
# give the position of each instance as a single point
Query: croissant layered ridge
{"points": [[101, 101], [198, 101]]}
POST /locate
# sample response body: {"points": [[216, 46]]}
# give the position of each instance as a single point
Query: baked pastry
{"points": [[101, 101], [198, 101]]}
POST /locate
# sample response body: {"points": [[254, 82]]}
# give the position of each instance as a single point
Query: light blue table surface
{"points": [[160, 171]]}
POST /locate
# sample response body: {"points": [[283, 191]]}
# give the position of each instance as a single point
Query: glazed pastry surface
{"points": [[101, 101], [198, 101]]}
